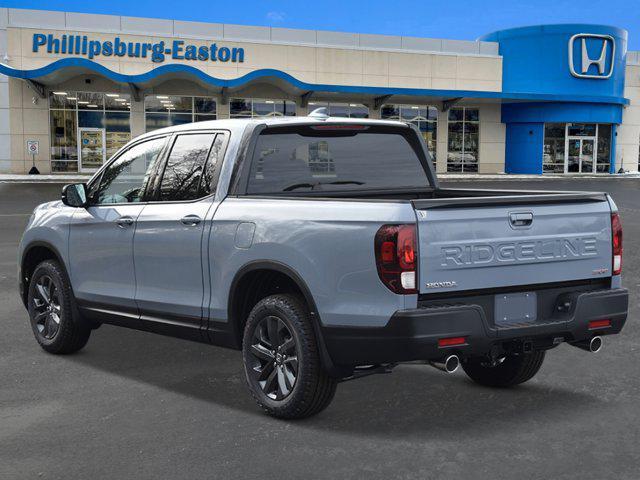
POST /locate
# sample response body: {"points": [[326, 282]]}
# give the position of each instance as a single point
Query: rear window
{"points": [[335, 158]]}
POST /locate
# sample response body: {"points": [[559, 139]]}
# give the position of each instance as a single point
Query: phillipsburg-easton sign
{"points": [[157, 52]]}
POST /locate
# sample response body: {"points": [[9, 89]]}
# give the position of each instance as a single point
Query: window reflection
{"points": [[125, 179], [185, 166]]}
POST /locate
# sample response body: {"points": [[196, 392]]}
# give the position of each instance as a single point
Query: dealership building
{"points": [[75, 87]]}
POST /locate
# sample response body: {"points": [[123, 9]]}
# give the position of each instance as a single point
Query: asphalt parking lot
{"points": [[136, 405]]}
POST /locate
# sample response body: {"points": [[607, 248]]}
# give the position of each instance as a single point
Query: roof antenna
{"points": [[320, 113]]}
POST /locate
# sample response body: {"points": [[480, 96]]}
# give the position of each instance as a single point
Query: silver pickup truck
{"points": [[325, 250]]}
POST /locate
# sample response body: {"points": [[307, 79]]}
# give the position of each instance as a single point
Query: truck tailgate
{"points": [[466, 247]]}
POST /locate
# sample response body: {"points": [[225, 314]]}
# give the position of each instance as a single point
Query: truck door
{"points": [[171, 237], [101, 236]]}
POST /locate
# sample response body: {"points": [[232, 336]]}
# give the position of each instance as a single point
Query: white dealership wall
{"points": [[627, 146], [314, 57], [317, 57]]}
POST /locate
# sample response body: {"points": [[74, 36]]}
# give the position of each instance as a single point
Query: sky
{"points": [[452, 19]]}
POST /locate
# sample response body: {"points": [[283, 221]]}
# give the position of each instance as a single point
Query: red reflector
{"points": [[595, 324], [449, 342]]}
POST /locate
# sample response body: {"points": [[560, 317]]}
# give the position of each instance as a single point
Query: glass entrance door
{"points": [[579, 156], [91, 148]]}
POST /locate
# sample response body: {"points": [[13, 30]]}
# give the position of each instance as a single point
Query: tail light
{"points": [[396, 257], [616, 243]]}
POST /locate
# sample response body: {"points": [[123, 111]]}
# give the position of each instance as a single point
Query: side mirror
{"points": [[74, 195]]}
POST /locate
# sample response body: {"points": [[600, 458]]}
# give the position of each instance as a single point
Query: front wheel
{"points": [[513, 370], [51, 311], [281, 359]]}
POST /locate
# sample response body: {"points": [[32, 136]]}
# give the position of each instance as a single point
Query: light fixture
{"points": [[165, 101], [268, 101], [71, 98], [92, 106], [112, 95], [121, 99], [414, 107], [161, 96], [353, 105], [82, 102], [59, 93]]}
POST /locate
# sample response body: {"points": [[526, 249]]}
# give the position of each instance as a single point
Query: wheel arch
{"points": [[34, 253], [235, 294]]}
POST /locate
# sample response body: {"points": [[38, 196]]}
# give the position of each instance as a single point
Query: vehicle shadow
{"points": [[412, 401]]}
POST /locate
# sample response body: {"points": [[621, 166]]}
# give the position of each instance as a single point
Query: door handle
{"points": [[190, 220], [124, 222], [521, 219]]}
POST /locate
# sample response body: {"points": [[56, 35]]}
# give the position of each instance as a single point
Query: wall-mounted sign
{"points": [[33, 147], [591, 55], [157, 52]]}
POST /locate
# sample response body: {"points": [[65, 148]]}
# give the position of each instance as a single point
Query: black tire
{"points": [[55, 325], [514, 370], [312, 389]]}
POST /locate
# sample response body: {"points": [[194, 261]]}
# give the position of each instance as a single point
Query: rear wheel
{"points": [[513, 370], [51, 311], [281, 359]]}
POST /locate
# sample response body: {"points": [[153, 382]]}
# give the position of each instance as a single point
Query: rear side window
{"points": [[186, 166], [335, 158]]}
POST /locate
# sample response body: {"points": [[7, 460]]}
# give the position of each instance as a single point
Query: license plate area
{"points": [[515, 309]]}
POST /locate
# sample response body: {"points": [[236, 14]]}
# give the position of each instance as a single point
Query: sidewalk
{"points": [[76, 178]]}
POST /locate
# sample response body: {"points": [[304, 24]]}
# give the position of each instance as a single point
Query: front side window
{"points": [[125, 180], [185, 167], [322, 158]]}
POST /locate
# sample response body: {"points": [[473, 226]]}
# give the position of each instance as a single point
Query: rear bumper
{"points": [[413, 334]]}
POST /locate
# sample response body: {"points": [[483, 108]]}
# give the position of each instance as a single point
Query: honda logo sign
{"points": [[595, 55]]}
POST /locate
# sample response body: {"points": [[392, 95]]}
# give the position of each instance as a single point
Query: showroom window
{"points": [[258, 107], [553, 150], [168, 110], [348, 110], [576, 148], [425, 117], [464, 139], [101, 121]]}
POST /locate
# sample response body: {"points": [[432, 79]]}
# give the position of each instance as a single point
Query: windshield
{"points": [[335, 158]]}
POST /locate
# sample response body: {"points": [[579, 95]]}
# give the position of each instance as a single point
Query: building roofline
{"points": [[100, 23]]}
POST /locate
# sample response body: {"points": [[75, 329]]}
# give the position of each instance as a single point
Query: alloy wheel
{"points": [[46, 307], [274, 358]]}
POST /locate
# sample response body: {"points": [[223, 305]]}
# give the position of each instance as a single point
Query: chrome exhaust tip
{"points": [[594, 345], [449, 364]]}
